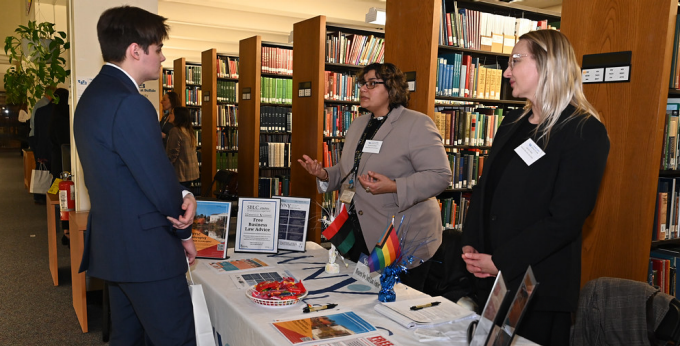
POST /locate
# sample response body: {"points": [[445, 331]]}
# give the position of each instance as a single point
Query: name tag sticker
{"points": [[529, 151], [372, 146]]}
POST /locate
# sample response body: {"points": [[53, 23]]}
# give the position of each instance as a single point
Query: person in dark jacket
{"points": [[538, 186], [59, 130]]}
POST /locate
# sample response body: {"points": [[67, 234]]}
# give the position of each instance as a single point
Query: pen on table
{"points": [[418, 307], [310, 308]]}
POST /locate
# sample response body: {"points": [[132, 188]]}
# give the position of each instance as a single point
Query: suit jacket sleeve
{"points": [[136, 138], [581, 168], [427, 155]]}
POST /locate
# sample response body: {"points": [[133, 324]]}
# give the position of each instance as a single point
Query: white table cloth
{"points": [[238, 321]]}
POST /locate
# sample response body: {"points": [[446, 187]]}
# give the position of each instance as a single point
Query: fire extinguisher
{"points": [[67, 199]]}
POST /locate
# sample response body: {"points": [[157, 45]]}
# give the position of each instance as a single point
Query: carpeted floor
{"points": [[32, 310]]}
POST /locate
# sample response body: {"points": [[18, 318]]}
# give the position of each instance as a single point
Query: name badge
{"points": [[529, 151], [372, 146]]}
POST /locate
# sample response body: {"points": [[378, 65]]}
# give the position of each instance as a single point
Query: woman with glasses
{"points": [[393, 163], [538, 186]]}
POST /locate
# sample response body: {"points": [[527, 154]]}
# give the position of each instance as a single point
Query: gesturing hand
{"points": [[377, 183], [314, 167]]}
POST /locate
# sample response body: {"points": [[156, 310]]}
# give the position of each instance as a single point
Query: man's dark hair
{"points": [[119, 27]]}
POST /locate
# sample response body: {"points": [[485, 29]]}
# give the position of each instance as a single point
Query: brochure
{"points": [[377, 340], [293, 221], [323, 327], [211, 228], [243, 281], [222, 267], [426, 311], [257, 225]]}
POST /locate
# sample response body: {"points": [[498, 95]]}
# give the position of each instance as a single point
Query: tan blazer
{"points": [[413, 155], [182, 153]]}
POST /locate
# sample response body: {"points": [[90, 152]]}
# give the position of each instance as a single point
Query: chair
{"points": [[227, 185], [615, 311], [669, 329]]}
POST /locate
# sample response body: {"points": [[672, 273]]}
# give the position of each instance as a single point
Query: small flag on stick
{"points": [[339, 232], [386, 251]]}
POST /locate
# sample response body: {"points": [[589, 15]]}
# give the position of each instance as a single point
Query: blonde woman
{"points": [[538, 187], [181, 148]]}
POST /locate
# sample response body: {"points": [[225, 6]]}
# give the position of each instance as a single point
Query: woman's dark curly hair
{"points": [[394, 79]]}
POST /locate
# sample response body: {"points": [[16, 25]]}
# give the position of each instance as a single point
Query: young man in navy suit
{"points": [[139, 228]]}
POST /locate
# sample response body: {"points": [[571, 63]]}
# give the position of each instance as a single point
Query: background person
{"points": [[401, 178], [181, 148], [531, 214], [138, 234], [169, 103], [59, 130]]}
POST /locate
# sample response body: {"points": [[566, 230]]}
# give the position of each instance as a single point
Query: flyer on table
{"points": [[258, 225]]}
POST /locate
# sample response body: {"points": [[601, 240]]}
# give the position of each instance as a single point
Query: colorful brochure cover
{"points": [[324, 327], [211, 228]]}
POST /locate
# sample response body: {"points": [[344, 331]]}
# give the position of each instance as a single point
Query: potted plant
{"points": [[38, 66]]}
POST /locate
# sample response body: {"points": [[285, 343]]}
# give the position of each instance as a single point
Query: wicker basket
{"points": [[273, 302]]}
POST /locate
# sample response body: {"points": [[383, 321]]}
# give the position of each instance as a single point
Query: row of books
{"points": [[332, 149], [196, 116], [227, 115], [274, 155], [197, 133], [340, 87], [226, 138], [193, 96], [454, 210], [666, 218], [468, 126], [466, 167], [276, 119], [472, 29], [670, 154], [228, 161], [461, 75], [273, 186], [674, 82], [662, 271], [168, 77], [277, 60], [227, 91], [338, 118], [276, 90], [227, 67], [354, 49], [193, 74]]}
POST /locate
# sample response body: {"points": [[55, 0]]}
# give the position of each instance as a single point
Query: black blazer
{"points": [[538, 211]]}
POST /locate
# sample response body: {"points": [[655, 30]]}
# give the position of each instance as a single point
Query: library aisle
{"points": [[34, 311]]}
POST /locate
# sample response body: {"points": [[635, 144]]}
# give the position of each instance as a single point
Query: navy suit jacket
{"points": [[131, 183], [538, 211]]}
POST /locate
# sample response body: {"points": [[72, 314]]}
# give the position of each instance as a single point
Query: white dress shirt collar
{"points": [[127, 74]]}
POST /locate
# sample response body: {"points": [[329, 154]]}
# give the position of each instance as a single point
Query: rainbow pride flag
{"points": [[386, 251]]}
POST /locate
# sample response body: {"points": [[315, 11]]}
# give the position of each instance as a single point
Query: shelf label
{"points": [[305, 89], [246, 94]]}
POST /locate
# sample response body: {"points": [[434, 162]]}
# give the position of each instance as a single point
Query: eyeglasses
{"points": [[514, 58], [369, 84]]}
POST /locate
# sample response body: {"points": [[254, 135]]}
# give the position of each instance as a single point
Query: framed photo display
{"points": [[257, 227], [210, 230], [293, 221]]}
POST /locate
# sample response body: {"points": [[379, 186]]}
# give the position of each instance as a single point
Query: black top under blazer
{"points": [[131, 184], [538, 211]]}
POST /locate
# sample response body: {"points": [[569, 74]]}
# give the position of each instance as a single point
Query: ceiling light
{"points": [[376, 16]]}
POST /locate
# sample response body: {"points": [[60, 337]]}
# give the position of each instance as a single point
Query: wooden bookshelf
{"points": [[180, 86], [250, 52], [617, 236], [162, 89]]}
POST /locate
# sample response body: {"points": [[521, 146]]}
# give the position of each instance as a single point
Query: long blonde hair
{"points": [[559, 81]]}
